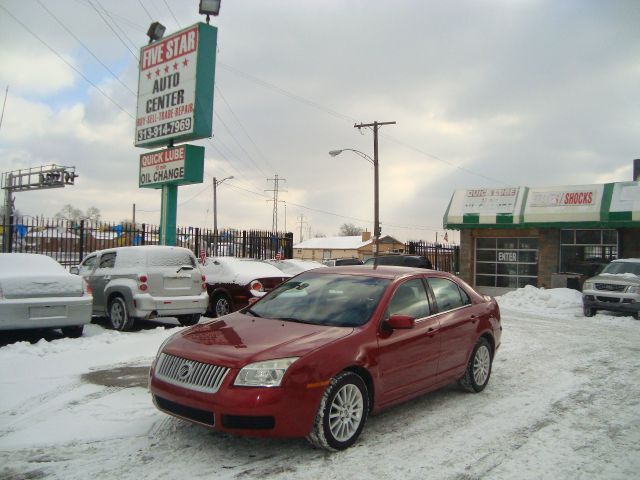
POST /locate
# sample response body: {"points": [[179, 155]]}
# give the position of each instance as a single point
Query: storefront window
{"points": [[586, 251], [506, 262]]}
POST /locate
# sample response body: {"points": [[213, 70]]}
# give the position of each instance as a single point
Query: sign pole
{"points": [[168, 214]]}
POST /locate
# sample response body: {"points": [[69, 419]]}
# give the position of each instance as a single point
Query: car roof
{"points": [[629, 260], [381, 271]]}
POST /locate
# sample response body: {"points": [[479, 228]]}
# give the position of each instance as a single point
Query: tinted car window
{"points": [[410, 299], [447, 294], [107, 260], [88, 264], [323, 299]]}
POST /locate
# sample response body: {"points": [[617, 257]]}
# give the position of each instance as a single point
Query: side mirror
{"points": [[74, 270], [401, 322], [253, 300]]}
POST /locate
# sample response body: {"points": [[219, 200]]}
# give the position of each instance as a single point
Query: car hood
{"points": [[619, 278], [238, 339]]}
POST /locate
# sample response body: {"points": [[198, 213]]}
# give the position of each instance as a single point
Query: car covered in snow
{"points": [[233, 281], [145, 282], [320, 353], [37, 292], [616, 288], [294, 266]]}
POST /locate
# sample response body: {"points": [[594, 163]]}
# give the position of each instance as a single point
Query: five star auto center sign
{"points": [[175, 87]]}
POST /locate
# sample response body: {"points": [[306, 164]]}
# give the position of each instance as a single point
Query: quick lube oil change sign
{"points": [[173, 166], [175, 87]]}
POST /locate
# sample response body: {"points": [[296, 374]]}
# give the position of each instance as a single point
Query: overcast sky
{"points": [[484, 93]]}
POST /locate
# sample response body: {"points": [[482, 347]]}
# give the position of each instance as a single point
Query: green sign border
{"points": [[193, 167], [205, 78]]}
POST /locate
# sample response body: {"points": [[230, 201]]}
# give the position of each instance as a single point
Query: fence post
{"points": [[196, 244], [437, 257], [244, 243], [81, 249], [144, 234], [289, 245]]}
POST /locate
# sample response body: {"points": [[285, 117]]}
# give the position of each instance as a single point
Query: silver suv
{"points": [[145, 282], [615, 288]]}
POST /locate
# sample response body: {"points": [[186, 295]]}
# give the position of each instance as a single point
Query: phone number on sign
{"points": [[169, 128]]}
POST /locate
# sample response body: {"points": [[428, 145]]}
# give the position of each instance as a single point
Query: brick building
{"points": [[543, 236]]}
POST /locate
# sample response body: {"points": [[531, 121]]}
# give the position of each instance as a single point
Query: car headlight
{"points": [[633, 289], [264, 374], [588, 285]]}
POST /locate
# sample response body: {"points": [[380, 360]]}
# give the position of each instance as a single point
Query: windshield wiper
{"points": [[248, 310], [185, 267], [295, 320]]}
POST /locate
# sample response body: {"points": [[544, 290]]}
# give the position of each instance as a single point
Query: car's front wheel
{"points": [[188, 320], [342, 413], [588, 311], [478, 371], [119, 315]]}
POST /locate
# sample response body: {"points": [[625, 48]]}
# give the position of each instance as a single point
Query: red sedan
{"points": [[317, 355]]}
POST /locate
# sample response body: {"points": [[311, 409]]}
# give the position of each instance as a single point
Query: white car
{"points": [[295, 266], [37, 292], [232, 282], [616, 288]]}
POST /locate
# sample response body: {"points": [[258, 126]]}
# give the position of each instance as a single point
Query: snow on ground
{"points": [[563, 402]]}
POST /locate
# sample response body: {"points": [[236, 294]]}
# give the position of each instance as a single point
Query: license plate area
{"points": [[47, 311]]}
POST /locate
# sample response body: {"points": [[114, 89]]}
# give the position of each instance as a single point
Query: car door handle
{"points": [[431, 331], [107, 277], [474, 319]]}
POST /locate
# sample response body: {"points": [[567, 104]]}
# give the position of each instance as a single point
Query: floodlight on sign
{"points": [[155, 32], [210, 7]]}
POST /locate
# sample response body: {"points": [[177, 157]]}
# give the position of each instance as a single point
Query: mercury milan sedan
{"points": [[320, 353]]}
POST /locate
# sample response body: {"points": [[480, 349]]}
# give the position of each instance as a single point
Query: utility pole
{"points": [[301, 222], [376, 197], [217, 182], [134, 216], [276, 189]]}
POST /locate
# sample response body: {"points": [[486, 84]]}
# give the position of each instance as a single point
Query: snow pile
{"points": [[552, 303]]}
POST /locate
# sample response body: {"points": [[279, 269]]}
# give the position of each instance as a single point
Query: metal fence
{"points": [[68, 241], [445, 257]]}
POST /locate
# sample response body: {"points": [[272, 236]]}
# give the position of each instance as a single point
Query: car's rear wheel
{"points": [[588, 311], [220, 305], [74, 331], [342, 413], [188, 320], [119, 315], [478, 371]]}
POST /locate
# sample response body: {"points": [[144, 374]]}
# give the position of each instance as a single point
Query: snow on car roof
{"points": [[16, 264]]}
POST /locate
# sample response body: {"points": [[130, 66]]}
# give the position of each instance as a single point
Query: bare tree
{"points": [[69, 212], [349, 230]]}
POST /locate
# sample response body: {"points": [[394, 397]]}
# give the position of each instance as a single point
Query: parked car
{"points": [[317, 355], [232, 282], [615, 288], [340, 262], [37, 292], [144, 282], [294, 266], [399, 260]]}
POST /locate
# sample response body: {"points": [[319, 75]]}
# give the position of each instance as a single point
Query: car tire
{"points": [[342, 413], [588, 311], [478, 371], [188, 320], [220, 305], [74, 331], [636, 315], [119, 315]]}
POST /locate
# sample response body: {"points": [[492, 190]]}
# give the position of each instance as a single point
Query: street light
{"points": [[376, 198], [217, 182]]}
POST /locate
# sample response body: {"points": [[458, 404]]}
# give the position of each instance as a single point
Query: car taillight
{"points": [[257, 286], [204, 282], [142, 283], [86, 288], [204, 278]]}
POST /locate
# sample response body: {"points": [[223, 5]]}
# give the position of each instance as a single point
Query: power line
{"points": [[145, 9], [276, 189], [85, 47], [104, 94], [112, 29]]}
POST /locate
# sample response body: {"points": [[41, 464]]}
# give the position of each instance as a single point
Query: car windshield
{"points": [[617, 268], [323, 299]]}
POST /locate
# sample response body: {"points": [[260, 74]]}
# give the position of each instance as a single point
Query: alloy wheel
{"points": [[346, 412]]}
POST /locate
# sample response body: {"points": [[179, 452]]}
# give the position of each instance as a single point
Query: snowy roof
{"points": [[339, 243], [343, 243]]}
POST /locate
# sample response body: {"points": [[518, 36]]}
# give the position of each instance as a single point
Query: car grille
{"points": [[608, 299], [610, 287], [202, 377]]}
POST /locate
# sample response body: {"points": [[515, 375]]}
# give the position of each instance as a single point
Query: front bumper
{"points": [[248, 411], [145, 305], [616, 302]]}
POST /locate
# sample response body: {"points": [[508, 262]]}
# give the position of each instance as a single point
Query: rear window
{"points": [[170, 258]]}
